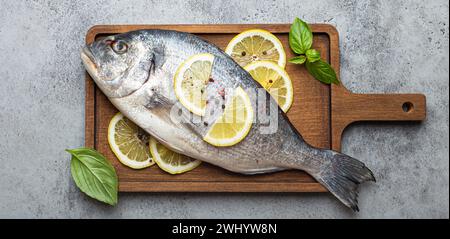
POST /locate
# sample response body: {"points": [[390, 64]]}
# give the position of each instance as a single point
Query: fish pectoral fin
{"points": [[157, 101]]}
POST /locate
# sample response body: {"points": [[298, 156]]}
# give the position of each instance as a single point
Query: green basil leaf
{"points": [[300, 36], [313, 55], [94, 175], [322, 71], [298, 59]]}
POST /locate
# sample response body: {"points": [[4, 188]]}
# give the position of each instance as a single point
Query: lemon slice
{"points": [[190, 81], [169, 161], [275, 80], [129, 142], [256, 45], [235, 122]]}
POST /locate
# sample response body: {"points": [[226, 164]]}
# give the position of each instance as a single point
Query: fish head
{"points": [[119, 64]]}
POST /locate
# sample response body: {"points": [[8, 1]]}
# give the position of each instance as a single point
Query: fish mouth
{"points": [[88, 61]]}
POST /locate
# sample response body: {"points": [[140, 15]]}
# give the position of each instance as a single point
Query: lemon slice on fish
{"points": [[190, 81], [256, 45], [169, 161], [129, 142], [275, 80], [235, 122]]}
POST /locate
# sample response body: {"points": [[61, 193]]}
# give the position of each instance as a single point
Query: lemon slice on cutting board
{"points": [[190, 82], [169, 161], [256, 45], [275, 80], [129, 142], [235, 122]]}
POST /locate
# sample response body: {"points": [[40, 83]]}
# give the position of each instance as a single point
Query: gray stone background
{"points": [[386, 46]]}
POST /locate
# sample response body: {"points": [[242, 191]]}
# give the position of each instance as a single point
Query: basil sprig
{"points": [[300, 36], [298, 59], [94, 175], [300, 41]]}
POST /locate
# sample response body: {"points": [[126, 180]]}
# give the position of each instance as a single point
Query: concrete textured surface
{"points": [[386, 46]]}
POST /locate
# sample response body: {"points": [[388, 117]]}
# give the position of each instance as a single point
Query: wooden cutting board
{"points": [[320, 112]]}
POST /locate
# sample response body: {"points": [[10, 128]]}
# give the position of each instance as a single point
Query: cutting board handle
{"points": [[348, 107], [384, 107]]}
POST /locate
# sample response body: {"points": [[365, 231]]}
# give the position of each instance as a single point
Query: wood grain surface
{"points": [[319, 112]]}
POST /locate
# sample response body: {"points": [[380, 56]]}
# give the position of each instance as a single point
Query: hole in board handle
{"points": [[407, 107]]}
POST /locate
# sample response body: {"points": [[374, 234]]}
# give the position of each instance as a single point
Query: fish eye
{"points": [[119, 47]]}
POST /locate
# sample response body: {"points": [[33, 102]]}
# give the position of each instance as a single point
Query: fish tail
{"points": [[341, 175]]}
